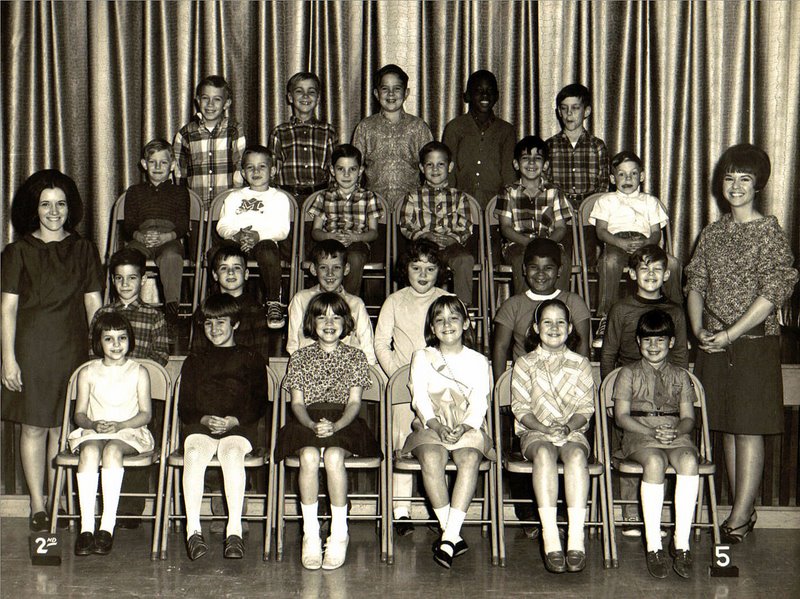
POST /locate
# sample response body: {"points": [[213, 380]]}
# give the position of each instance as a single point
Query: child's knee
{"points": [[655, 465], [686, 463], [334, 458], [543, 454], [467, 458], [309, 458], [574, 457]]}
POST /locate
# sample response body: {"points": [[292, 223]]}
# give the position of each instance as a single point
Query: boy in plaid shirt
{"points": [[578, 159], [209, 148], [441, 214], [347, 213], [532, 208], [304, 145]]}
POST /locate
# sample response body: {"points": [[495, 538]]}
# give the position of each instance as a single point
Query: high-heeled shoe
{"points": [[736, 535]]}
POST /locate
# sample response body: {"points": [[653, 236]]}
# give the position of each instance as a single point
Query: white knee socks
{"points": [[685, 501], [652, 502], [338, 521], [310, 521], [112, 482], [87, 496]]}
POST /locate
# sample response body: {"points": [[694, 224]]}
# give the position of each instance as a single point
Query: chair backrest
{"points": [[175, 430], [160, 390], [607, 407], [397, 391]]}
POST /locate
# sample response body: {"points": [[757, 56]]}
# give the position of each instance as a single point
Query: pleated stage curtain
{"points": [[86, 84]]}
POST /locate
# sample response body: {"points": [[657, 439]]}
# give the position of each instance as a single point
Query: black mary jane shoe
{"points": [[576, 560], [234, 547], [657, 564], [103, 542], [734, 536], [441, 557], [85, 544], [39, 522], [459, 548], [196, 546]]}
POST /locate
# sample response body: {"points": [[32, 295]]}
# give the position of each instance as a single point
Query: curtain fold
{"points": [[86, 84]]}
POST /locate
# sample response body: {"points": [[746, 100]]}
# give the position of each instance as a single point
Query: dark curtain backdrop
{"points": [[86, 84]]}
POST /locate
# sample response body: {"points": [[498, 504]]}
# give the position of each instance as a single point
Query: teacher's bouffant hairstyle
{"points": [[742, 158], [24, 209]]}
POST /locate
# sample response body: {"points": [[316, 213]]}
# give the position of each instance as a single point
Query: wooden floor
{"points": [[768, 563]]}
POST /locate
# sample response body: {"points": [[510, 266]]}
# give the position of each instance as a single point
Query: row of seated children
{"points": [[222, 398]]}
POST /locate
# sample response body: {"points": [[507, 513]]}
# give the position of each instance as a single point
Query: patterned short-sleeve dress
{"points": [[656, 397], [325, 380], [113, 396]]}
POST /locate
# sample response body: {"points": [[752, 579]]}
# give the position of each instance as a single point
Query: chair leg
{"points": [[384, 511], [168, 511], [56, 499], [279, 523], [501, 520], [609, 494], [390, 510], [493, 498], [269, 511], [712, 503], [159, 512], [608, 561]]}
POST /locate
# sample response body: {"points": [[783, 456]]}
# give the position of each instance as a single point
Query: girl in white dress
{"points": [[112, 410], [450, 385]]}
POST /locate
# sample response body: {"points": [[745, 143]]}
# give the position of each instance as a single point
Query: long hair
{"points": [[452, 303], [24, 209], [532, 339]]}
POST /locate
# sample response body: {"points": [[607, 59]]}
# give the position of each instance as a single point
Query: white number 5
{"points": [[722, 556]]}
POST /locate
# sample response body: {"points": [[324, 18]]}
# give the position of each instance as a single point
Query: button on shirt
{"points": [[581, 170], [635, 212], [439, 210], [532, 214], [303, 151], [341, 213]]}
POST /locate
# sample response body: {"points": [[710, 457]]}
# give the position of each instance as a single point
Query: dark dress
{"points": [[51, 338], [325, 380]]}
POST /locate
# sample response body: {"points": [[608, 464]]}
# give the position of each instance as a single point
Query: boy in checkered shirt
{"points": [[347, 213], [303, 146], [209, 148], [442, 215], [531, 208], [578, 159]]}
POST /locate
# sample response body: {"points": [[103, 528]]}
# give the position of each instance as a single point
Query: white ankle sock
{"points": [[87, 497], [452, 531], [338, 521], [575, 534], [652, 502], [685, 500], [442, 513], [112, 482], [550, 538], [310, 521]]}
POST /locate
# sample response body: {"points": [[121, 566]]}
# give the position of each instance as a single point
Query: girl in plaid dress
{"points": [[552, 398]]}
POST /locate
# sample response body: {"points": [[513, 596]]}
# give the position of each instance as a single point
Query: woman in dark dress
{"points": [[740, 274], [51, 284]]}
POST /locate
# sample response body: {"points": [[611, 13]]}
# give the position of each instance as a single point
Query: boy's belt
{"points": [[641, 414]]}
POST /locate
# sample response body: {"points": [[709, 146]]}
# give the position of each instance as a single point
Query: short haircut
{"points": [[157, 145], [318, 306], [346, 151], [111, 321], [746, 158], [574, 90], [647, 254], [625, 156], [532, 339], [528, 144], [258, 149], [328, 248], [655, 323], [434, 146], [479, 75], [228, 250], [390, 69], [127, 256], [543, 248], [221, 305], [415, 252], [213, 81], [25, 206], [303, 76], [438, 306]]}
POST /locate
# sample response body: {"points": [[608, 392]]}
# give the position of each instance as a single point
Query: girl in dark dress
{"points": [[51, 286], [326, 380]]}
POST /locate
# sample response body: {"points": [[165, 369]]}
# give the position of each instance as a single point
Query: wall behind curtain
{"points": [[86, 84]]}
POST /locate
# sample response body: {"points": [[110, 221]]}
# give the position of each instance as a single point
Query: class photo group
{"points": [[495, 322]]}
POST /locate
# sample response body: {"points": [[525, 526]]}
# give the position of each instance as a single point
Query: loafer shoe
{"points": [[196, 546], [234, 547], [657, 564], [555, 562], [576, 560], [335, 552], [85, 544], [312, 553], [103, 542]]}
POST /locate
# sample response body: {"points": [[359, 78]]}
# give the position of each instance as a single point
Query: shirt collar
{"points": [[440, 188], [223, 122], [134, 305], [295, 121], [624, 196], [489, 123], [403, 116]]}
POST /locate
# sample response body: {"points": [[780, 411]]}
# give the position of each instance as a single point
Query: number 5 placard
{"points": [[721, 563]]}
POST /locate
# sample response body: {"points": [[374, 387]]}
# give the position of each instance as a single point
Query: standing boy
{"points": [[347, 213], [533, 208], [627, 219], [390, 140], [157, 220], [152, 343], [482, 143], [442, 215], [303, 146], [209, 148], [258, 219], [648, 266], [329, 265]]}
